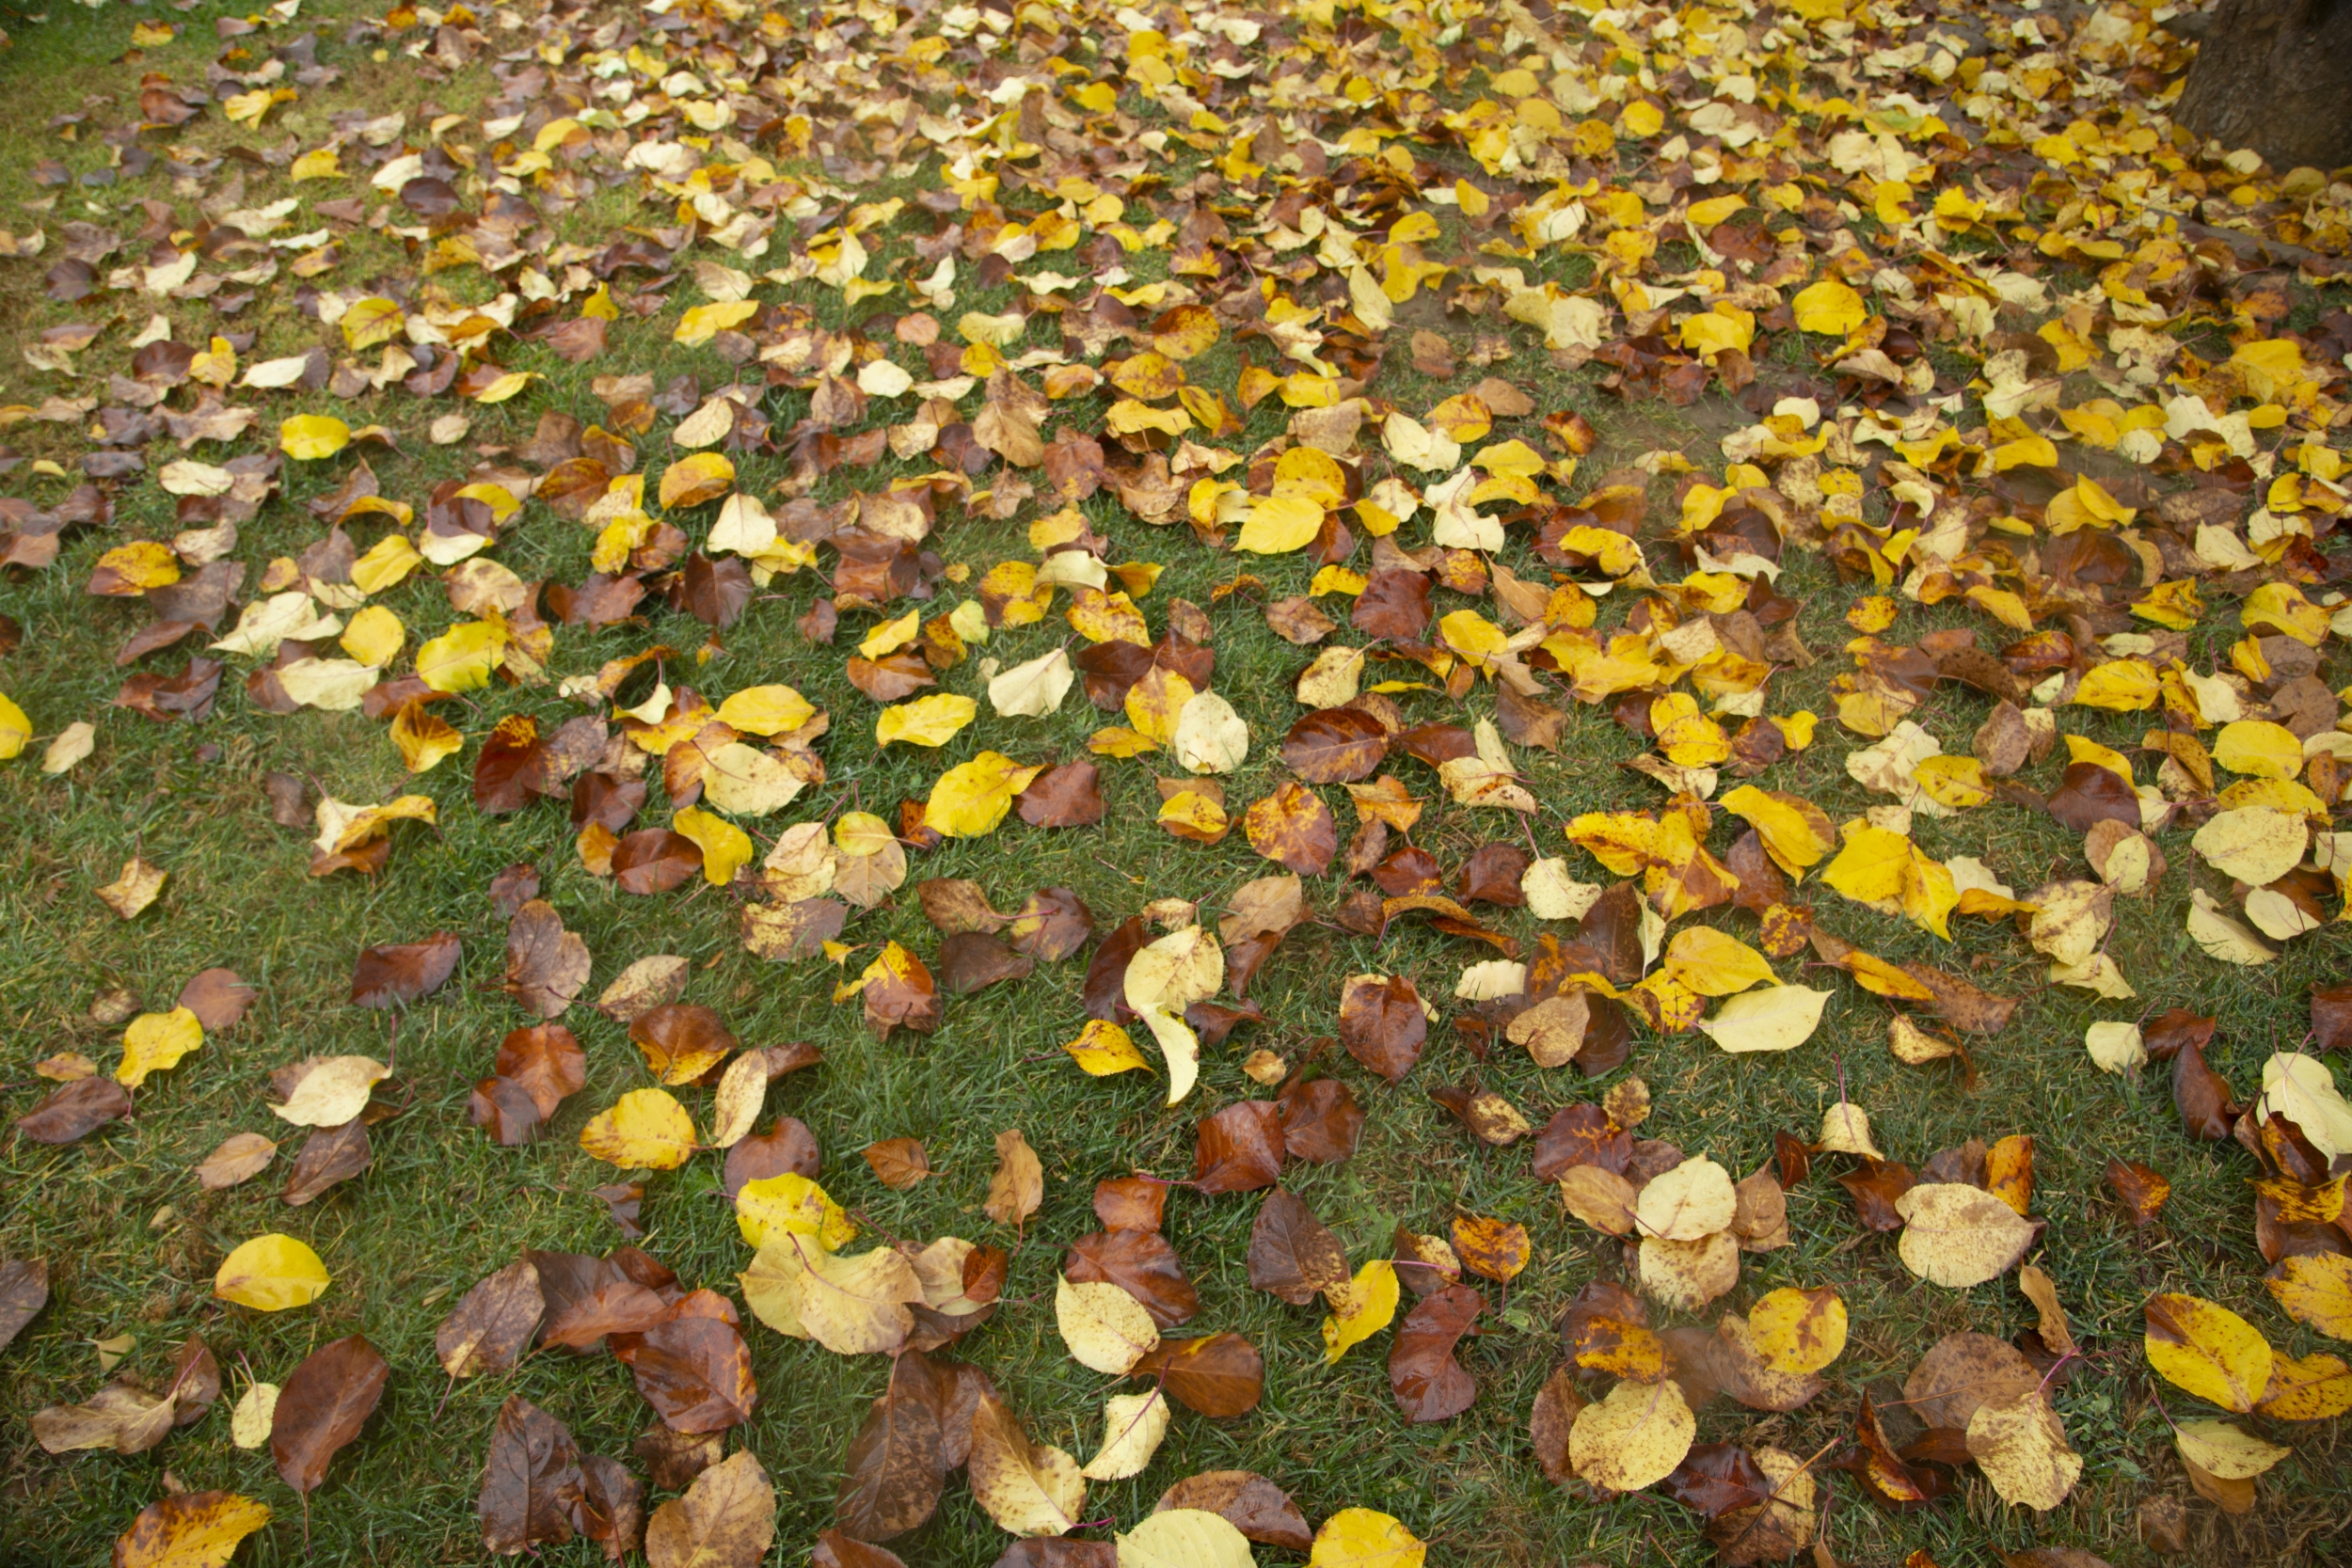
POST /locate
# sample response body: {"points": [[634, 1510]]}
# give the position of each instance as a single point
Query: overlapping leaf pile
{"points": [[1279, 291]]}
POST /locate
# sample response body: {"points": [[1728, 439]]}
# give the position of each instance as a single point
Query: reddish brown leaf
{"points": [[217, 998], [1240, 1148], [75, 1111], [2207, 1108], [1428, 1383], [1336, 745], [547, 1061], [402, 973], [1052, 924], [1220, 1376], [1293, 1255], [1382, 1025], [1058, 1551], [1491, 876], [323, 1406], [695, 1371], [1130, 1202], [1140, 1263], [503, 772], [2092, 793], [1395, 603], [328, 1155], [681, 1038], [2143, 1191], [1581, 1135], [546, 964], [614, 1305], [1321, 1121], [533, 1489], [836, 1550], [2331, 1018], [654, 860], [1294, 829], [1103, 990], [1247, 1501], [1874, 1188], [491, 1325]]}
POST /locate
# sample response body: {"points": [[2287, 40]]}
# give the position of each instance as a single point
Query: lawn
{"points": [[131, 1241]]}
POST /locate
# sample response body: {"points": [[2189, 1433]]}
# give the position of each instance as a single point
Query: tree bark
{"points": [[2274, 75]]}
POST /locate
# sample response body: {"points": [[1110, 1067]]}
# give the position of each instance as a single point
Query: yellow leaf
{"points": [[155, 1041], [424, 741], [972, 797], [645, 1128], [506, 386], [388, 560], [2208, 1349], [2311, 1388], [307, 437], [692, 481], [1956, 781], [1794, 830], [155, 35], [1829, 306], [138, 566], [2281, 607], [726, 848], [2315, 1290], [2221, 1450], [1278, 523], [1634, 1437], [702, 323], [2259, 748], [1360, 1309], [928, 720], [271, 1273], [15, 729], [791, 1204], [1365, 1538], [462, 657], [372, 321], [1798, 1331], [189, 1529], [2121, 686], [1104, 1049], [765, 710], [1106, 1329], [1715, 963], [375, 635]]}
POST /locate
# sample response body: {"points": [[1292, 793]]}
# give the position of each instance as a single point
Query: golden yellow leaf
{"points": [[2208, 1349], [645, 1128], [155, 1041], [1365, 1538], [1830, 306], [726, 848], [692, 481], [1106, 1329], [307, 437], [1798, 1331], [1634, 1437], [932, 720], [1104, 1049], [270, 1274], [1361, 1308], [189, 1530], [791, 1204]]}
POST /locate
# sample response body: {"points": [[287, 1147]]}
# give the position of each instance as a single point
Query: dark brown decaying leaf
{"points": [[2091, 794], [1428, 1383], [1336, 745], [491, 1325], [654, 860], [327, 1156], [1247, 1501], [401, 973], [1581, 1135], [895, 1467], [1382, 1025], [1293, 1255], [1548, 1422], [2207, 1108], [1874, 1187], [322, 1406], [1240, 1148], [1052, 924], [1220, 1375], [533, 1489], [1103, 990], [545, 1059], [1143, 1265], [75, 1111], [2331, 1018], [1321, 1121], [1069, 796], [23, 1291], [974, 960], [1294, 828], [1715, 1478], [898, 1163]]}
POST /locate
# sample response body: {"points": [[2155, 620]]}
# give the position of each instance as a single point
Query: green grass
{"points": [[131, 1241]]}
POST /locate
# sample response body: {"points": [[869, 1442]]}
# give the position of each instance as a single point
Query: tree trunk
{"points": [[2274, 75]]}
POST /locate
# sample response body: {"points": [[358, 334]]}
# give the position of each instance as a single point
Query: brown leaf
{"points": [[402, 973], [1222, 1375], [1428, 1383], [1294, 829], [1394, 605], [611, 1305], [1961, 1371], [1557, 1403], [681, 1040], [1335, 745], [836, 1550], [1581, 1135], [2143, 1191], [1140, 1263], [1058, 1551], [533, 1489], [2207, 1108], [898, 1163], [546, 965], [1066, 796], [1293, 1255], [1052, 924], [726, 1519], [1874, 1189], [958, 904], [1525, 721], [2331, 1018], [1018, 1184], [321, 1407], [1240, 1148], [1103, 990], [787, 1146], [508, 766], [1247, 1501], [654, 860], [75, 1111], [217, 998], [328, 1155], [1715, 1478], [1382, 1025], [2092, 793], [23, 1291], [491, 1325], [1321, 1121], [545, 1059], [695, 1371], [895, 1466], [1491, 876], [1130, 1202]]}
